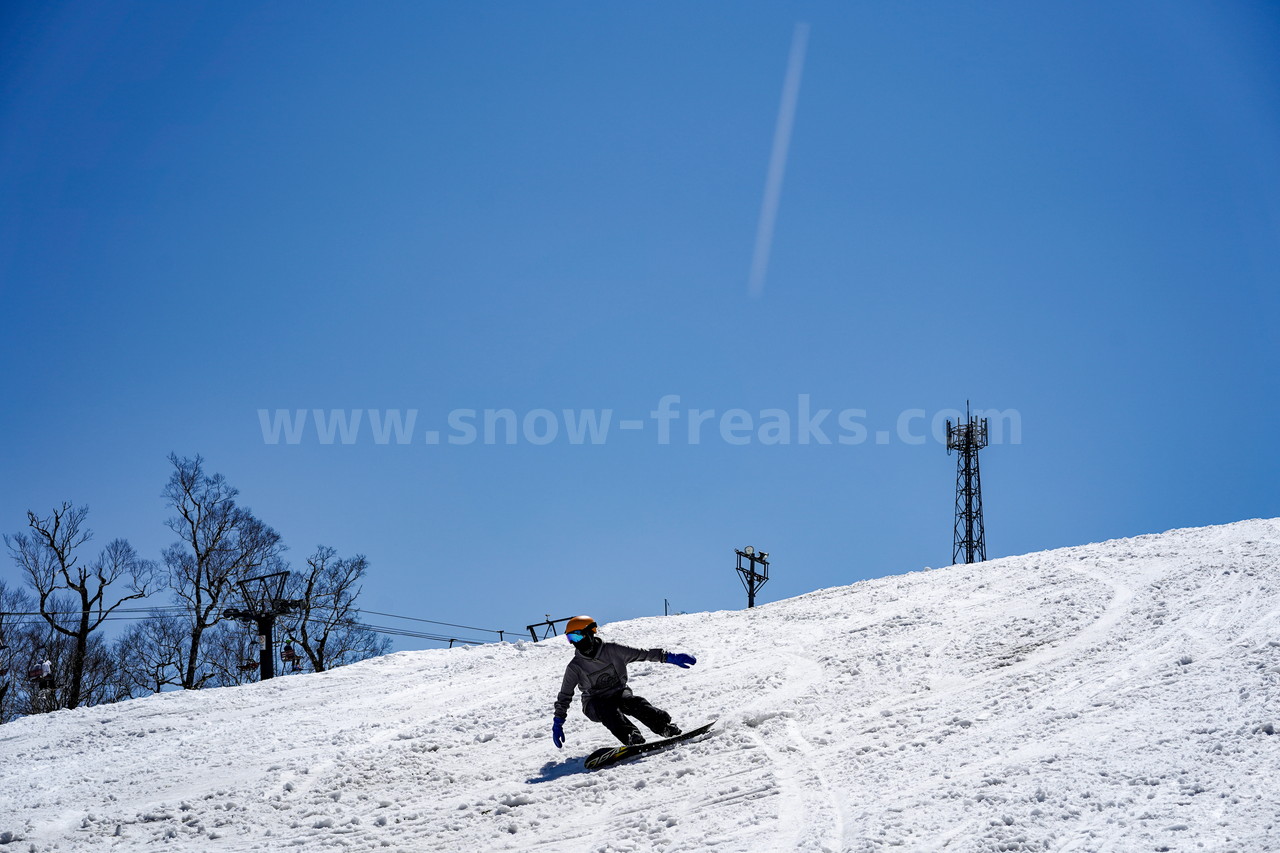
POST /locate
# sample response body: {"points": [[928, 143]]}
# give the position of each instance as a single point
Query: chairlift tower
{"points": [[264, 602], [751, 579], [966, 439]]}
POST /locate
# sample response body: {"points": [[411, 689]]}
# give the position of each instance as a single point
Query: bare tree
{"points": [[103, 680], [150, 654], [15, 654], [49, 557], [32, 642], [221, 543], [327, 626], [232, 655]]}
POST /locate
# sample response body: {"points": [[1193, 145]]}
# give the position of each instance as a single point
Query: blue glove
{"points": [[681, 660], [557, 732]]}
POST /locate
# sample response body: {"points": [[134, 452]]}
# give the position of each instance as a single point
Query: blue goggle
{"points": [[576, 636]]}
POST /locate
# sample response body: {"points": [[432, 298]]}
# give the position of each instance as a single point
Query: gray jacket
{"points": [[602, 675]]}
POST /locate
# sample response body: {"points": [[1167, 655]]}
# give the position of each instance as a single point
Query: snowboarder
{"points": [[599, 669]]}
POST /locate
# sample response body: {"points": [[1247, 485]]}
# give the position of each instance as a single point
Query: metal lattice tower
{"points": [[966, 439]]}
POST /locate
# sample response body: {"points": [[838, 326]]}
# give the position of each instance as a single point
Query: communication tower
{"points": [[969, 544]]}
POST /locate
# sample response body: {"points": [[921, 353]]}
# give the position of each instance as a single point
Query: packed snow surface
{"points": [[1118, 696]]}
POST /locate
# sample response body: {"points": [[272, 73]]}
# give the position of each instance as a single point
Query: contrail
{"points": [[778, 160]]}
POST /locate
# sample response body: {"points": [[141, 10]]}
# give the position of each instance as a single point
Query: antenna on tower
{"points": [[967, 438]]}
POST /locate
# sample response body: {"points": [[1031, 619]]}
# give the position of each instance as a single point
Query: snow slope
{"points": [[1119, 696]]}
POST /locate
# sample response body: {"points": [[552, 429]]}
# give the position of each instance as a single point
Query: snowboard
{"points": [[610, 755]]}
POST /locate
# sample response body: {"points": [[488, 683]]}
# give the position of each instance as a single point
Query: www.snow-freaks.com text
{"points": [[668, 423]]}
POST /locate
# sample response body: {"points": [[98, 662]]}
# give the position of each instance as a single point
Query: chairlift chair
{"points": [[251, 663], [290, 656], [36, 676]]}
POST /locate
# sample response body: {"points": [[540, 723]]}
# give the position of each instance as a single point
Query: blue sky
{"points": [[1069, 213]]}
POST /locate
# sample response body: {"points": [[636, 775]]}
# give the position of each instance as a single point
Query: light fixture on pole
{"points": [[752, 579]]}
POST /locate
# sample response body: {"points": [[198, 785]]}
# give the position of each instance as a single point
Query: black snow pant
{"points": [[610, 711]]}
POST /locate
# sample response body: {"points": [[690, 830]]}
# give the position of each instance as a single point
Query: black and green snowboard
{"points": [[613, 754]]}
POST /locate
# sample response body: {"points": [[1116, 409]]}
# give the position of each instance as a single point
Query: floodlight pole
{"points": [[751, 579]]}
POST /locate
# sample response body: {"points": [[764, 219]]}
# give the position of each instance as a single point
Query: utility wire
{"points": [[78, 612], [396, 632], [174, 609], [160, 612], [433, 622]]}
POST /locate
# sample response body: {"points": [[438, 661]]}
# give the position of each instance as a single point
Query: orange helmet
{"points": [[584, 625]]}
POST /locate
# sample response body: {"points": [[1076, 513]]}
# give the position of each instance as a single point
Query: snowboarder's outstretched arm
{"points": [[563, 701], [632, 655], [628, 654], [557, 731], [565, 698]]}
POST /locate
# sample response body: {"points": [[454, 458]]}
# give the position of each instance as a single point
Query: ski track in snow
{"points": [[1118, 696]]}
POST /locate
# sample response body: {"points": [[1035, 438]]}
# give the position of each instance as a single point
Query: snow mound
{"points": [[1114, 696]]}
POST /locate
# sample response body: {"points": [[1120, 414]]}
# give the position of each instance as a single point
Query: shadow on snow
{"points": [[553, 770]]}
